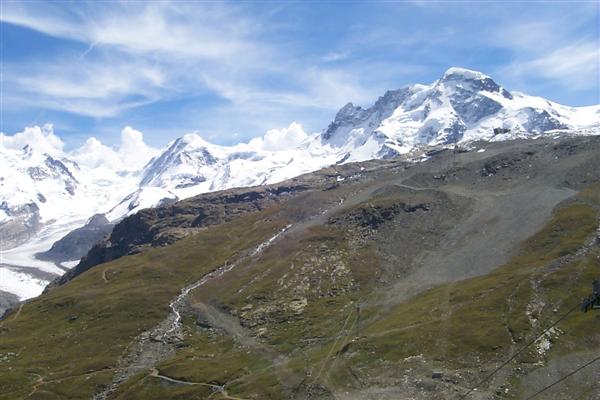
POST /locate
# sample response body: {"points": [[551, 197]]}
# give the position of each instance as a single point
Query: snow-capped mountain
{"points": [[47, 192], [190, 165], [461, 106]]}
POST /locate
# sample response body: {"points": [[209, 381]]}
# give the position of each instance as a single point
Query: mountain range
{"points": [[47, 192], [382, 279]]}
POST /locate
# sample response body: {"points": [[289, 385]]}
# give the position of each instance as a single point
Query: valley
{"points": [[380, 279], [59, 203]]}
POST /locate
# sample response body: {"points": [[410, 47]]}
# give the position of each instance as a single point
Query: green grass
{"points": [[465, 323], [87, 324], [306, 262], [73, 335], [248, 370], [203, 358]]}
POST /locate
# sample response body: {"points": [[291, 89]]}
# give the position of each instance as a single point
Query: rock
{"points": [[297, 305], [78, 242]]}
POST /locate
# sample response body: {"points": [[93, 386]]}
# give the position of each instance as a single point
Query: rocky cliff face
{"points": [[22, 224], [161, 226], [78, 242]]}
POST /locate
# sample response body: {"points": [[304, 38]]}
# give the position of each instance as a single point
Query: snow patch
{"points": [[23, 285]]}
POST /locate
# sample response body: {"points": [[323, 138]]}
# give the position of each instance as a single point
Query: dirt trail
{"points": [[153, 346], [18, 312], [40, 381], [215, 388], [498, 222], [242, 336]]}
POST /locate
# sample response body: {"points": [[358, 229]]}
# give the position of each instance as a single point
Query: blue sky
{"points": [[232, 70]]}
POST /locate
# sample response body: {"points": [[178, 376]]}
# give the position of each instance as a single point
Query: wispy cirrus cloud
{"points": [[575, 66], [245, 68], [212, 32], [91, 88], [135, 54], [562, 48]]}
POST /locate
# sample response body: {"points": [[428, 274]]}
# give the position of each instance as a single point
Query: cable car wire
{"points": [[518, 352], [563, 378]]}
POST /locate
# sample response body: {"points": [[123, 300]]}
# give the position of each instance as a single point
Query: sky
{"points": [[230, 71]]}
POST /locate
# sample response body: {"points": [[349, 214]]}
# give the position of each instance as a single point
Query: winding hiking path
{"points": [[18, 313], [158, 344], [216, 388]]}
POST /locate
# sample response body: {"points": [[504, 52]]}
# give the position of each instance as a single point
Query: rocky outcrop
{"points": [[23, 224], [161, 226], [8, 301], [78, 242]]}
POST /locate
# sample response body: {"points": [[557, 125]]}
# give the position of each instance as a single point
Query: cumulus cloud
{"points": [[280, 139], [131, 155], [41, 139], [133, 151], [94, 154]]}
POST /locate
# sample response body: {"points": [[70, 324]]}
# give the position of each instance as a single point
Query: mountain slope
{"points": [[276, 317], [52, 192], [77, 243], [44, 197]]}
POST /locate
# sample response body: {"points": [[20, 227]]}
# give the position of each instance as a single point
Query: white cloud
{"points": [[96, 89], [280, 139], [137, 54], [94, 154], [539, 49], [133, 151], [131, 155], [210, 32], [41, 139], [575, 66], [525, 36], [130, 54], [334, 56]]}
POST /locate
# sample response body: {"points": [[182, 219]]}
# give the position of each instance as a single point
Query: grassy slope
{"points": [[465, 325], [249, 371], [72, 336], [459, 326]]}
